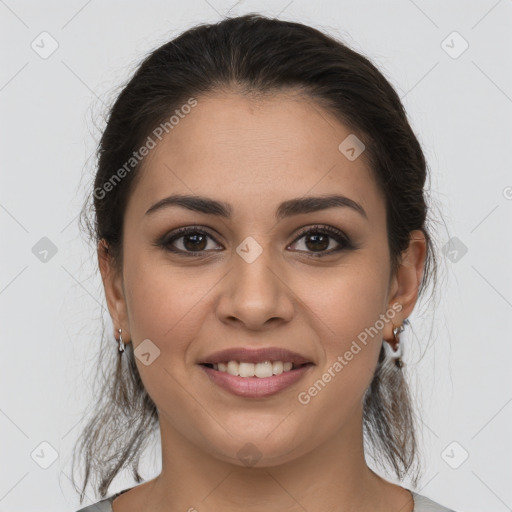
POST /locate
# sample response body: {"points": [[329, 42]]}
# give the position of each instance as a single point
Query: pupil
{"points": [[195, 237], [322, 246]]}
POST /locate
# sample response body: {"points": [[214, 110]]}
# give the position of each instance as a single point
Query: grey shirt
{"points": [[421, 504]]}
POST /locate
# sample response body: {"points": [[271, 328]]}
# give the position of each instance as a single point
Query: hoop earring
{"points": [[121, 343]]}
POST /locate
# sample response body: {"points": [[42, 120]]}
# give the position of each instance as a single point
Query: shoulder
{"points": [[101, 506], [424, 504], [421, 504], [105, 505]]}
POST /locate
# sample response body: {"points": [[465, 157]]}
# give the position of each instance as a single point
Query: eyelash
{"points": [[337, 235]]}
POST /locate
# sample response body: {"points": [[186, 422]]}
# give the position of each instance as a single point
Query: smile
{"points": [[255, 380]]}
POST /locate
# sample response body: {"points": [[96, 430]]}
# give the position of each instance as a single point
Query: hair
{"points": [[253, 54]]}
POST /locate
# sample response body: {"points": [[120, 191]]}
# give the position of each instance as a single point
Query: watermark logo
{"points": [[44, 455], [454, 455], [146, 352], [44, 249], [351, 147], [45, 45], [249, 454], [455, 249], [249, 249], [454, 45]]}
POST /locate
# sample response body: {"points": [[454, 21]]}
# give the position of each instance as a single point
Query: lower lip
{"points": [[255, 387]]}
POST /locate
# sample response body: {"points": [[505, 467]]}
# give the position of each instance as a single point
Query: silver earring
{"points": [[395, 352], [121, 343]]}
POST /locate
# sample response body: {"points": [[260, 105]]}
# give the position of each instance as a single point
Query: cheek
{"points": [[348, 311], [165, 305], [350, 353], [164, 302], [350, 299]]}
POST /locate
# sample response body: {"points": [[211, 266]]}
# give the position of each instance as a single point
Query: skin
{"points": [[254, 154]]}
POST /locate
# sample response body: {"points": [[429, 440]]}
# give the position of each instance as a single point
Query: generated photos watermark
{"points": [[305, 397], [149, 144]]}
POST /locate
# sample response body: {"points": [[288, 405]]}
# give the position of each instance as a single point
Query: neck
{"points": [[334, 477]]}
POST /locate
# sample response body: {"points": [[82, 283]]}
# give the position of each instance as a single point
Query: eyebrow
{"points": [[286, 209]]}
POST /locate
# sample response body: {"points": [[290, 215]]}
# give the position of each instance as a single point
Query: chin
{"points": [[258, 449]]}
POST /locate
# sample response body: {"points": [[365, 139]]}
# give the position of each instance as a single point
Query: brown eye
{"points": [[194, 242], [187, 241], [317, 241], [320, 239]]}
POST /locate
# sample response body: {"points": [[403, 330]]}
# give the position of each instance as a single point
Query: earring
{"points": [[394, 350], [121, 343]]}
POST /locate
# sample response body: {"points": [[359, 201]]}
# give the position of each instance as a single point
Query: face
{"points": [[309, 280]]}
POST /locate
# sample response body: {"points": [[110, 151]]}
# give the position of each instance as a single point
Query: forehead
{"points": [[255, 152]]}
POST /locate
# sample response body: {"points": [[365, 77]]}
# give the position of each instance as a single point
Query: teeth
{"points": [[277, 367], [232, 368], [264, 369], [246, 369]]}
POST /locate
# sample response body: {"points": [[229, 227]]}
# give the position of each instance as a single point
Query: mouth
{"points": [[264, 369], [255, 380], [255, 373]]}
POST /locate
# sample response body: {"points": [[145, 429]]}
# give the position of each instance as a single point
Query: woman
{"points": [[260, 218]]}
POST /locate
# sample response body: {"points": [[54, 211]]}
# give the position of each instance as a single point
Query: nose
{"points": [[255, 294]]}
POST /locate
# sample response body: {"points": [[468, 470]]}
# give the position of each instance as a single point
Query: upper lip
{"points": [[259, 355]]}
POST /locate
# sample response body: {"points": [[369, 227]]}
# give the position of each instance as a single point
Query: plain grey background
{"points": [[62, 62]]}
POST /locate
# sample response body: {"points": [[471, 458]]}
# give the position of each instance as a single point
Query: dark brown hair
{"points": [[253, 54]]}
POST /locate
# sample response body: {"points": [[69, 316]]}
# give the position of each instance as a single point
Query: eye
{"points": [[318, 239], [191, 239]]}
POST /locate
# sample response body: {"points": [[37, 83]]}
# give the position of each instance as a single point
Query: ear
{"points": [[114, 292], [405, 284]]}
